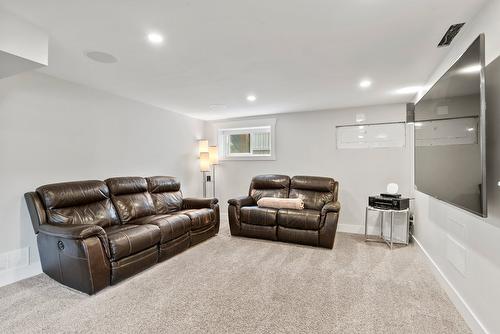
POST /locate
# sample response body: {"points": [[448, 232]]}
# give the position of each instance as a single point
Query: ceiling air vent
{"points": [[450, 34]]}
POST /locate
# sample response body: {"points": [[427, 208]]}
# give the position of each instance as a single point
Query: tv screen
{"points": [[450, 135]]}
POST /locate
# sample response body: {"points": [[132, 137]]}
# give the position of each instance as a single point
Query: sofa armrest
{"points": [[36, 210], [241, 201], [199, 203], [328, 228], [76, 232], [234, 212], [330, 207], [75, 255]]}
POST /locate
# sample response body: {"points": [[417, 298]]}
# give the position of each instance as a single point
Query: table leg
{"points": [[407, 227], [381, 219], [392, 226], [366, 224]]}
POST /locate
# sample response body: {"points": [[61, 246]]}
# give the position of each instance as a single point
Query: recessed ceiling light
{"points": [[409, 90], [470, 129], [101, 57], [365, 83], [155, 38], [251, 98], [361, 137], [418, 124], [470, 69]]}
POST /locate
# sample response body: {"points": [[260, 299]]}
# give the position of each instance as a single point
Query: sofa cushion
{"points": [[315, 191], [125, 240], [200, 218], [126, 185], [305, 237], [130, 197], [166, 193], [101, 213], [258, 216], [171, 226], [81, 202], [269, 186], [299, 219]]}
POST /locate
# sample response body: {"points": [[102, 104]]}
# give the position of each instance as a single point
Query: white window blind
{"points": [[261, 142]]}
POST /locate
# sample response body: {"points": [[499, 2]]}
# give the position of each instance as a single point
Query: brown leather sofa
{"points": [[315, 225], [92, 234]]}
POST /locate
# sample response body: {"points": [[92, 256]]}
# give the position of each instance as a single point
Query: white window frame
{"points": [[245, 127]]}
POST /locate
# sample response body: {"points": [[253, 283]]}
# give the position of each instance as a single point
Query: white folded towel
{"points": [[281, 203]]}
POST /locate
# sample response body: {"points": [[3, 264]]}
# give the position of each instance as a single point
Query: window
{"points": [[239, 143], [247, 143]]}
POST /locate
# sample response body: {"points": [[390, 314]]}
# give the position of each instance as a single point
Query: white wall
{"points": [[53, 131], [306, 145], [465, 248]]}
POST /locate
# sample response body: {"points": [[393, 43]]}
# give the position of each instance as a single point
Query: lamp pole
{"points": [[204, 184], [213, 180], [204, 168], [214, 160]]}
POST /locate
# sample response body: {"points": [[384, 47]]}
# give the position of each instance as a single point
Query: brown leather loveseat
{"points": [[92, 234], [315, 225]]}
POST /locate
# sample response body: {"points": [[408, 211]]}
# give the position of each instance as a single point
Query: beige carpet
{"points": [[239, 285]]}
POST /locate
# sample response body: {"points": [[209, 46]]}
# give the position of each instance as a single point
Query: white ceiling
{"points": [[294, 55]]}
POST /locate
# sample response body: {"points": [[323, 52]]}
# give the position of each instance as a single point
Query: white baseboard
{"points": [[16, 274], [351, 228], [357, 229], [463, 308]]}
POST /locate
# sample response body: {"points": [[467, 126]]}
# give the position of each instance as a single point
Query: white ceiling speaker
{"points": [[101, 57], [392, 188]]}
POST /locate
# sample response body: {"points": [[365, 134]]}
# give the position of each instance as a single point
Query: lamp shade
{"points": [[203, 145], [392, 188], [204, 162], [213, 153]]}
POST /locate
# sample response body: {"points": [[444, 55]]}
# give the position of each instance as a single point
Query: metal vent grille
{"points": [[450, 34]]}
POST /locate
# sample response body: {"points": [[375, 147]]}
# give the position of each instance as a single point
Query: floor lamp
{"points": [[213, 153], [204, 168], [204, 162]]}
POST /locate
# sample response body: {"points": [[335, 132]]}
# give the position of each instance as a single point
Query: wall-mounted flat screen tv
{"points": [[450, 162]]}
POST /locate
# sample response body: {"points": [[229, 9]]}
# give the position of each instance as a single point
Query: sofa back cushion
{"points": [[269, 186], [166, 193], [131, 197], [81, 202], [315, 191]]}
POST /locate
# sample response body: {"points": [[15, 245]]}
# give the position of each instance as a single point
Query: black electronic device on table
{"points": [[389, 202], [391, 195]]}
